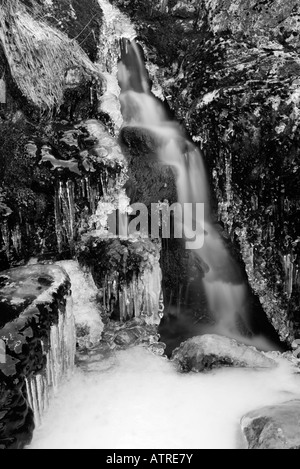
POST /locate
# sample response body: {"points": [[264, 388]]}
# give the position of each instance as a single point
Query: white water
{"points": [[142, 402], [139, 400]]}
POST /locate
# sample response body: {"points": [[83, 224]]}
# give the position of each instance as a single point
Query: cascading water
{"points": [[224, 284]]}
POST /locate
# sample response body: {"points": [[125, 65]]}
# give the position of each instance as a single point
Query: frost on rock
{"points": [[113, 208], [115, 26], [97, 167]]}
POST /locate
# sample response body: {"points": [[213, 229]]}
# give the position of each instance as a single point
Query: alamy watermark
{"points": [[2, 352], [181, 221]]}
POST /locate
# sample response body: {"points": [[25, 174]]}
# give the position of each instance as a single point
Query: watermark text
{"points": [[180, 221]]}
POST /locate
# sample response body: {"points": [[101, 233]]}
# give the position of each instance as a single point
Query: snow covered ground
{"points": [[142, 402]]}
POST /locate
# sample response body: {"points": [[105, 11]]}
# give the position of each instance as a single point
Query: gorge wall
{"points": [[227, 70], [62, 169], [230, 73]]}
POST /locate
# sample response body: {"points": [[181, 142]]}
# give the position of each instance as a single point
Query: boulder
{"points": [[204, 353], [37, 346], [273, 427], [97, 359], [125, 338]]}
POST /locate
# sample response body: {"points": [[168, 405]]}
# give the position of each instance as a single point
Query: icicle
{"points": [[65, 222], [88, 190], [161, 308], [2, 91], [58, 221], [254, 202], [143, 297], [6, 237], [17, 239], [103, 185], [59, 364], [289, 274], [287, 205], [71, 212], [271, 231]]}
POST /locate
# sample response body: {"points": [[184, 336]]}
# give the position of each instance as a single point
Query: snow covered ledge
{"points": [[37, 338]]}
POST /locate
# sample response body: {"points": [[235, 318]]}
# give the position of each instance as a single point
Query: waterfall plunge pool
{"points": [[142, 402]]}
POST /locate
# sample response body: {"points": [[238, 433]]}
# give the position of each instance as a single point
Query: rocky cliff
{"points": [[227, 70], [230, 73], [49, 84]]}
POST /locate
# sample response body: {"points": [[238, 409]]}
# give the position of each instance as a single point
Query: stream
{"points": [[138, 400]]}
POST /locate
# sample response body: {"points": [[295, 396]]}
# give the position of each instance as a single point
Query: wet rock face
{"points": [[49, 181], [19, 288], [149, 182], [207, 352], [37, 122], [31, 300], [274, 427], [230, 71]]}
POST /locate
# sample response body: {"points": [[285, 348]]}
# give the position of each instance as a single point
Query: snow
{"points": [[85, 308], [119, 22], [142, 402], [208, 98], [115, 26], [295, 97]]}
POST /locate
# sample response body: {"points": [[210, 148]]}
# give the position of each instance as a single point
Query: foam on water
{"points": [[142, 402]]}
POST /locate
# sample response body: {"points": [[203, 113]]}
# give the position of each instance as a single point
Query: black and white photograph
{"points": [[149, 227]]}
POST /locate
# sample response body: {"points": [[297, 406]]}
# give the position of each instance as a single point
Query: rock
{"points": [[34, 312], [273, 427], [27, 188], [158, 348], [151, 181], [204, 353], [24, 289], [125, 338], [97, 359], [128, 336]]}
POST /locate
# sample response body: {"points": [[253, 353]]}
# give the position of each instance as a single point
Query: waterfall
{"points": [[224, 284], [60, 362]]}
